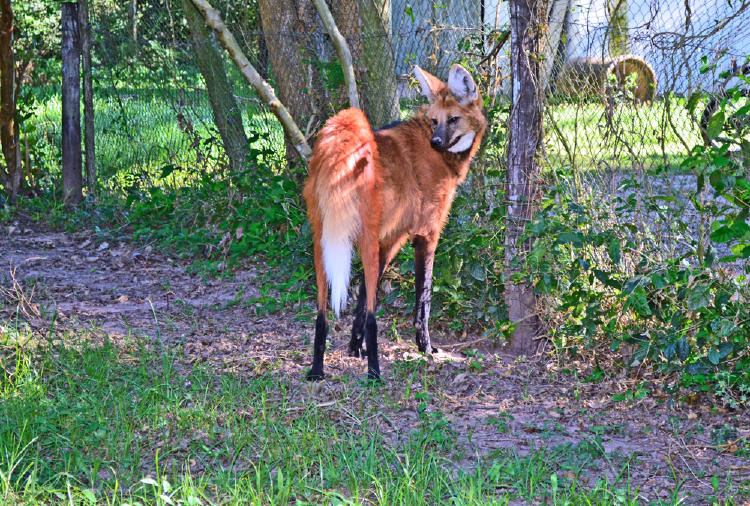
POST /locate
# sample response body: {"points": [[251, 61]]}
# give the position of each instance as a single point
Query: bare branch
{"points": [[264, 90]]}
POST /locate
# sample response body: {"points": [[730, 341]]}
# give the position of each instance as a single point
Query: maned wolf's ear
{"points": [[430, 84], [462, 85]]}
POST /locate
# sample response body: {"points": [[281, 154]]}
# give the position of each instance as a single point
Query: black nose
{"points": [[436, 142]]}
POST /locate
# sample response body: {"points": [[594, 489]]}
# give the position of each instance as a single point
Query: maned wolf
{"points": [[377, 189]]}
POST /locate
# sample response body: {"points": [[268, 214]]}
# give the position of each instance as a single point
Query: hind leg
{"points": [[360, 313], [321, 324], [358, 327], [369, 251]]}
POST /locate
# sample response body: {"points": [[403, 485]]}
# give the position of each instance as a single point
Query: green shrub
{"points": [[613, 283]]}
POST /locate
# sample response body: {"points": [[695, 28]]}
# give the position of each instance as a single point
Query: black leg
{"points": [[424, 255], [371, 338], [358, 328], [360, 314], [319, 348]]}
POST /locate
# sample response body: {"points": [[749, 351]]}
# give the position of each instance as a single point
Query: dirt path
{"points": [[491, 401]]}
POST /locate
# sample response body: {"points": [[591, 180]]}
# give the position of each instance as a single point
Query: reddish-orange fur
{"points": [[389, 185], [344, 178]]}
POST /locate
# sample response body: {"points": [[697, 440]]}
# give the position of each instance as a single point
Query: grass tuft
{"points": [[87, 420]]}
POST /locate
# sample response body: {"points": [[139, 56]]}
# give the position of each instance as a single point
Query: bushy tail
{"points": [[338, 174], [337, 260]]}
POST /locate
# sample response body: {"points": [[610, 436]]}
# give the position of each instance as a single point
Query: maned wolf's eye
{"points": [[452, 120], [434, 122]]}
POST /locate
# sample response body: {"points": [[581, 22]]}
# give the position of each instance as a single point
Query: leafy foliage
{"points": [[253, 214], [37, 47], [685, 312]]}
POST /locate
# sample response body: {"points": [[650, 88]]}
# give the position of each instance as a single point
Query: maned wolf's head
{"points": [[455, 109]]}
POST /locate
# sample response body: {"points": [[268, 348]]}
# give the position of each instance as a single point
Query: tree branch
{"points": [[342, 50], [264, 90]]}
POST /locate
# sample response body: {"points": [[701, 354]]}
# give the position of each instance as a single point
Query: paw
{"points": [[315, 375], [373, 378], [357, 351]]}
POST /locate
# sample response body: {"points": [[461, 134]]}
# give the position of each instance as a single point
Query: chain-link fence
{"points": [[661, 42], [620, 76], [637, 74], [634, 89]]}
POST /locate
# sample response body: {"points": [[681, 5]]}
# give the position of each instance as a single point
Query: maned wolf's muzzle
{"points": [[439, 141]]}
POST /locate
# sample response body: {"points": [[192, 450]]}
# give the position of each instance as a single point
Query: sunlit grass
{"points": [[624, 137], [139, 134], [87, 420], [142, 132]]}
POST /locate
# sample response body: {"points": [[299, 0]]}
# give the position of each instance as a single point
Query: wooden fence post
{"points": [[11, 176], [71, 106], [528, 25], [89, 145]]}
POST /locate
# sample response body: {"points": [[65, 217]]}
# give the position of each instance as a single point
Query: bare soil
{"points": [[497, 403]]}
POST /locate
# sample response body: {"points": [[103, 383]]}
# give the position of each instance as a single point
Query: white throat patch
{"points": [[463, 144]]}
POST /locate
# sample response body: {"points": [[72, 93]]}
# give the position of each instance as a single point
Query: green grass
{"points": [[633, 137], [85, 420], [138, 134]]}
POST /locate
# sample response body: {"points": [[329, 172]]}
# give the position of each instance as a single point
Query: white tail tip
{"points": [[337, 260]]}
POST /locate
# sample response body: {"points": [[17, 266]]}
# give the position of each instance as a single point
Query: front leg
{"points": [[424, 255]]}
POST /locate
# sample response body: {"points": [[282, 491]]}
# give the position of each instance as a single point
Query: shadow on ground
{"points": [[601, 423]]}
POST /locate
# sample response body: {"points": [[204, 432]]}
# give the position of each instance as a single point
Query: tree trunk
{"points": [[618, 37], [380, 90], [133, 15], [287, 24], [71, 106], [227, 115], [20, 70], [342, 50], [261, 87], [11, 176], [527, 19], [262, 64], [88, 94]]}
